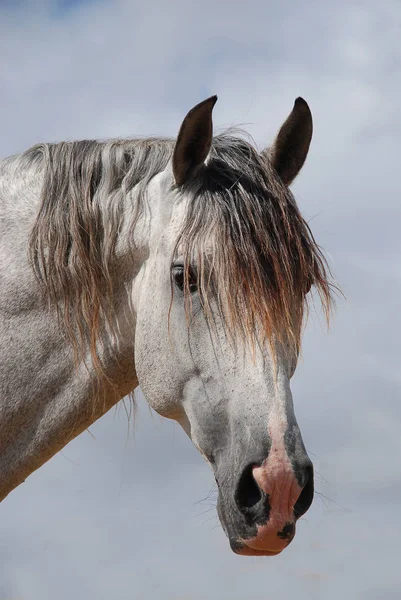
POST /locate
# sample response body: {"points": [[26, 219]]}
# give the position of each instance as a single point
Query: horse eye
{"points": [[178, 276], [179, 279]]}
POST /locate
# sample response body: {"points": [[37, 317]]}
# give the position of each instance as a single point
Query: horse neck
{"points": [[45, 398]]}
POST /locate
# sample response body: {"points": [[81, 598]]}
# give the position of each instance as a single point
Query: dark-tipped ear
{"points": [[194, 141], [291, 146]]}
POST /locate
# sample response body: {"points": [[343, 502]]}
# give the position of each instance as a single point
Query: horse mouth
{"points": [[264, 544]]}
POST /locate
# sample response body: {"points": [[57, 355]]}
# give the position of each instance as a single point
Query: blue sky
{"points": [[118, 514], [66, 8], [61, 6]]}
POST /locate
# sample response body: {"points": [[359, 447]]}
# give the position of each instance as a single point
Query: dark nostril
{"points": [[306, 496], [248, 493]]}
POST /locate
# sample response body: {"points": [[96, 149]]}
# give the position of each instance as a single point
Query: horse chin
{"points": [[242, 549], [247, 551]]}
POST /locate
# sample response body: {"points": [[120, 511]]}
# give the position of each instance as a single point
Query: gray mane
{"points": [[85, 187]]}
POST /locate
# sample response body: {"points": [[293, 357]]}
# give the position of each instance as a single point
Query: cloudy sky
{"points": [[130, 514]]}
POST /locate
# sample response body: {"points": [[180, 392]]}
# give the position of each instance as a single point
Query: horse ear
{"points": [[194, 141], [291, 146]]}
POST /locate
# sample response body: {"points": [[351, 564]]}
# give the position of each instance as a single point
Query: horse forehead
{"points": [[167, 206]]}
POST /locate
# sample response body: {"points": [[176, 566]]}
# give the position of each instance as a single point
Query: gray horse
{"points": [[182, 266]]}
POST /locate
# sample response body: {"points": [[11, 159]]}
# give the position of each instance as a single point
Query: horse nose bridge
{"points": [[287, 459]]}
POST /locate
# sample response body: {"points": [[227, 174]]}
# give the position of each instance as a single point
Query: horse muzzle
{"points": [[268, 499]]}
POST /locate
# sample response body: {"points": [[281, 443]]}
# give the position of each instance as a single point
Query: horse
{"points": [[182, 266]]}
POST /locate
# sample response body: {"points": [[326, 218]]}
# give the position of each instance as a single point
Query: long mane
{"points": [[253, 249], [72, 244], [261, 263]]}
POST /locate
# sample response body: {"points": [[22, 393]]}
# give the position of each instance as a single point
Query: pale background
{"points": [[117, 513]]}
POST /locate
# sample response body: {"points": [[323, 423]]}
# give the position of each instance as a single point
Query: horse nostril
{"points": [[248, 493], [306, 496]]}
